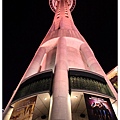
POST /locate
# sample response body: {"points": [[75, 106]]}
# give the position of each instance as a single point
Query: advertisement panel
{"points": [[99, 108], [23, 110]]}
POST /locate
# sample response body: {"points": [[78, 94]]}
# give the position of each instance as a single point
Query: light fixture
{"points": [[45, 98], [43, 116], [76, 97], [82, 115]]}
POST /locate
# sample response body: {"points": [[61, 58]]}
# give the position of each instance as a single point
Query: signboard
{"points": [[99, 108], [23, 110]]}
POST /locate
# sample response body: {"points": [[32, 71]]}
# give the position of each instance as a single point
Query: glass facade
{"points": [[35, 84], [84, 80]]}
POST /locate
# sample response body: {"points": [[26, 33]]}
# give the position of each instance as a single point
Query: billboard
{"points": [[99, 108], [23, 110]]}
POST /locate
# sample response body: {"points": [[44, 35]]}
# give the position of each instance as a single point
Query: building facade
{"points": [[64, 80], [113, 77]]}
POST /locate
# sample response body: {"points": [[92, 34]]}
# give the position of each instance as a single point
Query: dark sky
{"points": [[25, 23]]}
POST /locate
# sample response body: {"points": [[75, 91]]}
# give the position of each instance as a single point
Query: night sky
{"points": [[25, 24]]}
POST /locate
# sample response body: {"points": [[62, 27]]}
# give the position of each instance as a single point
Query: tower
{"points": [[57, 67]]}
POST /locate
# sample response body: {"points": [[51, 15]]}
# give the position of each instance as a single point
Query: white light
{"points": [[45, 98], [76, 97]]}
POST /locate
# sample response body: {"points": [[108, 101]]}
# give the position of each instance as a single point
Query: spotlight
{"points": [[43, 116], [3, 110], [45, 98], [76, 97], [82, 115]]}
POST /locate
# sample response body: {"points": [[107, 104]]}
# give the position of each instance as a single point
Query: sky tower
{"points": [[62, 76]]}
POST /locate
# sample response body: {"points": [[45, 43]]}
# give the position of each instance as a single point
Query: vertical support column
{"points": [[61, 106], [95, 66], [90, 59]]}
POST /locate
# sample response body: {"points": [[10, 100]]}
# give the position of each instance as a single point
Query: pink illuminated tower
{"points": [[61, 74]]}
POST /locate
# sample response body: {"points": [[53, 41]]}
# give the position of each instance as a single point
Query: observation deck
{"points": [[53, 4]]}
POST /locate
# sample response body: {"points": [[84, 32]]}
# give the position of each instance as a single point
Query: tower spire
{"points": [[63, 24]]}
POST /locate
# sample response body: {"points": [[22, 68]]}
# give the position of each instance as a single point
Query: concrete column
{"points": [[61, 101], [35, 63], [95, 66]]}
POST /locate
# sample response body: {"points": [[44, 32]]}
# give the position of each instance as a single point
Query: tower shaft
{"points": [[62, 49]]}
